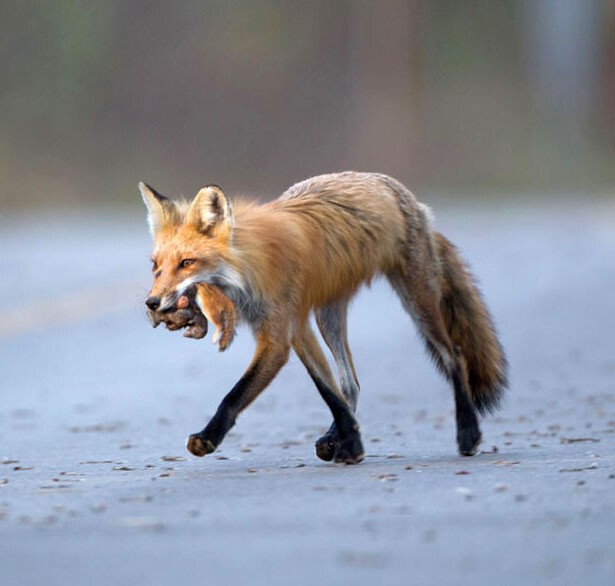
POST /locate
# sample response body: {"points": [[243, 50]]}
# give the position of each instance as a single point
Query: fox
{"points": [[308, 252]]}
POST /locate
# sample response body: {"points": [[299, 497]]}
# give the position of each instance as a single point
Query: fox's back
{"points": [[348, 227]]}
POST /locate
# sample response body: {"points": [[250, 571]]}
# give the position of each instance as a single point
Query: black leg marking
{"points": [[349, 449], [327, 444], [331, 321], [206, 441], [468, 431], [265, 365]]}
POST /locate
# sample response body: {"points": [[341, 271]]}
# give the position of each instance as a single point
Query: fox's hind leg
{"points": [[347, 448], [421, 299], [331, 320]]}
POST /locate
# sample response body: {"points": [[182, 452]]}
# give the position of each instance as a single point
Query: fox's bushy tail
{"points": [[471, 328]]}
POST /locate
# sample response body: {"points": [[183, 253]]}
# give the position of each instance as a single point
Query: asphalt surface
{"points": [[97, 488]]}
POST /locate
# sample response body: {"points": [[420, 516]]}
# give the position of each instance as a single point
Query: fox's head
{"points": [[191, 243]]}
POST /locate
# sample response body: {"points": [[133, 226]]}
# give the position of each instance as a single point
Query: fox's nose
{"points": [[153, 302]]}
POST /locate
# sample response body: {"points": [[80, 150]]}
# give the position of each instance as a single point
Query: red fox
{"points": [[310, 250]]}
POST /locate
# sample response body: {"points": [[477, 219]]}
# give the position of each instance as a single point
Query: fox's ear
{"points": [[210, 211], [158, 207]]}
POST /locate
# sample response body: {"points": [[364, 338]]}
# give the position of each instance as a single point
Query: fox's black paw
{"points": [[350, 450], [327, 444], [326, 447], [468, 441], [199, 446]]}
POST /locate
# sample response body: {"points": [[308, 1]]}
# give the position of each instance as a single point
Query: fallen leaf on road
{"points": [[580, 469], [97, 462], [173, 459], [99, 428], [67, 480], [576, 440], [387, 477]]}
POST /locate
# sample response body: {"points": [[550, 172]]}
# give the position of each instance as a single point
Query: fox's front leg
{"points": [[271, 354]]}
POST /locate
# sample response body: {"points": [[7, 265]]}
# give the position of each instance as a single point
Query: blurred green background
{"points": [[485, 97]]}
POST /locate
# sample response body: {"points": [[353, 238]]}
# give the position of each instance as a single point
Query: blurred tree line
{"points": [[485, 96]]}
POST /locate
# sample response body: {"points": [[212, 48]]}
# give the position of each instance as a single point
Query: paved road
{"points": [[96, 487]]}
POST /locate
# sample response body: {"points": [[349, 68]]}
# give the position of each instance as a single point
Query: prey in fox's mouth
{"points": [[185, 314], [199, 304]]}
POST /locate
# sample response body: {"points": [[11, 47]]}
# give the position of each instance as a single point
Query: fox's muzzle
{"points": [[153, 302]]}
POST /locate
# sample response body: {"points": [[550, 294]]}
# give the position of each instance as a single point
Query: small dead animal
{"points": [[193, 309]]}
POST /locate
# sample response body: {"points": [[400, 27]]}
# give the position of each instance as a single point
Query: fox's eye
{"points": [[186, 263]]}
